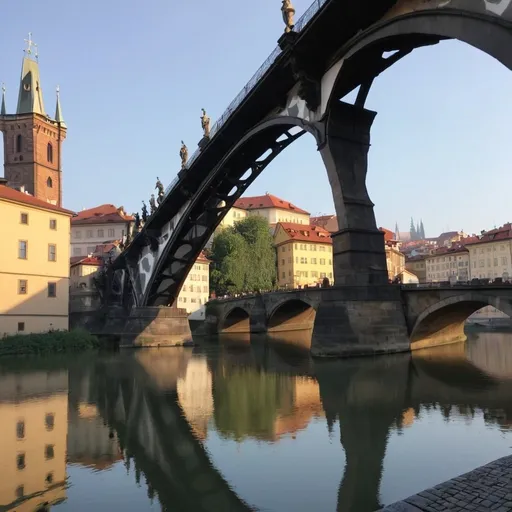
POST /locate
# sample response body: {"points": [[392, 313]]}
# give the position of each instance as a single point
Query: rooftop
{"points": [[305, 233], [267, 201], [494, 235], [103, 214], [9, 194], [84, 260]]}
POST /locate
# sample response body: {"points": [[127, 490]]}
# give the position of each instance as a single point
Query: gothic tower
{"points": [[32, 139]]}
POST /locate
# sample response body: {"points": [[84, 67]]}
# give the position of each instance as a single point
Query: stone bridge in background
{"points": [[402, 317]]}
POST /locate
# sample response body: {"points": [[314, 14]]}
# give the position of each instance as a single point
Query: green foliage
{"points": [[55, 342], [243, 258]]}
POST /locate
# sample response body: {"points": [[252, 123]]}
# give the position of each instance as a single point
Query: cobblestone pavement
{"points": [[486, 488]]}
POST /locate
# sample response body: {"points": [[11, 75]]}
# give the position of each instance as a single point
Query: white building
{"points": [[196, 289], [448, 263]]}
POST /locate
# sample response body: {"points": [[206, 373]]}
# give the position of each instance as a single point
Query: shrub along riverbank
{"points": [[54, 342]]}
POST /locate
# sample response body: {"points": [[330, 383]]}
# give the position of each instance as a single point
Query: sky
{"points": [[134, 76]]}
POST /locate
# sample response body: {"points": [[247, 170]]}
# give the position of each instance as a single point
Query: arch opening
{"points": [[292, 315], [236, 321]]}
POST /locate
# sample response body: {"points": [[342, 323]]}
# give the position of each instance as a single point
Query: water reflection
{"points": [[244, 425]]}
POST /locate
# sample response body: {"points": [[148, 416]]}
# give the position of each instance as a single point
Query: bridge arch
{"points": [[292, 315], [236, 320], [443, 322], [421, 26]]}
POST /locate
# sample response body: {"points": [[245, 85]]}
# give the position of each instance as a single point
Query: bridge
{"points": [[402, 317], [336, 47]]}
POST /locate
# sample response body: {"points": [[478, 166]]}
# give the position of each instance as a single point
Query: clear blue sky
{"points": [[134, 76]]}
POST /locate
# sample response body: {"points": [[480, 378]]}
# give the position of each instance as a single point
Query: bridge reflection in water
{"points": [[166, 405]]}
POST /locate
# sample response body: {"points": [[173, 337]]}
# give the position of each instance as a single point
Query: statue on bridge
{"points": [[152, 204], [144, 212], [288, 13], [183, 155], [160, 189], [137, 221], [205, 123]]}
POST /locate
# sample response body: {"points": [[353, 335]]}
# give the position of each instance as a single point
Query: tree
{"points": [[243, 257], [412, 229]]}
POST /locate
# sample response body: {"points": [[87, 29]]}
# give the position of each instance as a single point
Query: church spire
{"points": [[58, 110], [30, 97], [2, 108]]}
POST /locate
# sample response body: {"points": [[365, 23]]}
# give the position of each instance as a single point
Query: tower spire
{"points": [[58, 110], [2, 108], [30, 97]]}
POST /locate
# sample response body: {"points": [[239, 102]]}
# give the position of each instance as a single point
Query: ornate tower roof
{"points": [[30, 97], [58, 110], [2, 107]]}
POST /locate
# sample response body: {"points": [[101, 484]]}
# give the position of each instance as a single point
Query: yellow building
{"points": [[33, 448], [196, 288], [490, 254], [304, 255], [34, 263], [417, 265], [273, 209], [234, 215], [448, 263], [82, 272]]}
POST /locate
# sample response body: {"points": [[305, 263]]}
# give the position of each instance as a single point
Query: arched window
{"points": [[49, 153], [19, 143], [49, 183]]}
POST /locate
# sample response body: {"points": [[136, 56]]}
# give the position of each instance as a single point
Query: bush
{"points": [[54, 342]]}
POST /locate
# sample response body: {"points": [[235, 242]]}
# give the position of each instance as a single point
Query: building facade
{"points": [[273, 208], [491, 254], [32, 139], [34, 264], [195, 291], [234, 215], [418, 266], [103, 225], [328, 222], [82, 272], [448, 263], [304, 255]]}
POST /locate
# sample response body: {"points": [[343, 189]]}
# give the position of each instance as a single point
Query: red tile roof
{"points": [[9, 194], [388, 234], [494, 235], [202, 258], [81, 260], [266, 201], [305, 233], [443, 251], [103, 214]]}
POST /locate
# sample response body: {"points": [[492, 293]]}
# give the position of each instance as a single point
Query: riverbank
{"points": [[55, 342], [488, 487]]}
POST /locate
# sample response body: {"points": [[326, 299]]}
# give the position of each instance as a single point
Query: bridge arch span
{"points": [[412, 27], [443, 322], [214, 196], [236, 320], [292, 315]]}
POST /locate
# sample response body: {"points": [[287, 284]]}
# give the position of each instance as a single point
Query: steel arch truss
{"points": [[208, 207]]}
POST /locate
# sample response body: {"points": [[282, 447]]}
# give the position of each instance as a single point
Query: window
{"points": [[49, 452], [283, 275], [78, 234], [205, 289], [313, 261], [22, 249], [495, 262], [88, 233], [193, 300], [282, 262], [19, 143], [322, 261], [49, 152], [20, 429], [20, 461], [100, 232], [49, 182], [52, 252], [21, 326], [53, 223], [20, 492], [52, 290], [112, 232], [91, 249], [49, 478], [204, 278], [22, 287], [283, 249], [49, 421], [77, 251], [24, 218]]}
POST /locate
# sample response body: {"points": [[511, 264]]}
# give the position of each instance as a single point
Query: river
{"points": [[234, 426]]}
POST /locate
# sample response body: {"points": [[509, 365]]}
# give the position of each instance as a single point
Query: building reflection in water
{"points": [[34, 414]]}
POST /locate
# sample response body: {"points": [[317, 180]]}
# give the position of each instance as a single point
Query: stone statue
{"points": [[160, 189], [183, 155], [144, 212], [137, 221], [288, 13], [205, 123], [152, 204]]}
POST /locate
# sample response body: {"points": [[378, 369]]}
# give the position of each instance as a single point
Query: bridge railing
{"points": [[239, 98]]}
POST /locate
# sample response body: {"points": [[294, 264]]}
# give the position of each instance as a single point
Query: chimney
{"points": [[3, 182], [22, 189]]}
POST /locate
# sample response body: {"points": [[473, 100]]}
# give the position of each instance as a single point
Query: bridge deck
{"points": [[486, 488]]}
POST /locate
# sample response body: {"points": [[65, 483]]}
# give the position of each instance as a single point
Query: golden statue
{"points": [[205, 123], [183, 155], [288, 13]]}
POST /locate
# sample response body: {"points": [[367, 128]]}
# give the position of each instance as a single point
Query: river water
{"points": [[235, 426]]}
